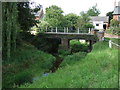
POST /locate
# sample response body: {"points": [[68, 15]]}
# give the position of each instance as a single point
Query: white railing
{"points": [[66, 30], [110, 44]]}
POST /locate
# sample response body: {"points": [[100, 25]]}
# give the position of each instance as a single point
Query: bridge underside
{"points": [[65, 38]]}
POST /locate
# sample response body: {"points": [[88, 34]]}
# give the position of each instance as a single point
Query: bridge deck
{"points": [[61, 35]]}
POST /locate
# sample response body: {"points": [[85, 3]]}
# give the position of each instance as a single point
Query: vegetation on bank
{"points": [[99, 69], [25, 63]]}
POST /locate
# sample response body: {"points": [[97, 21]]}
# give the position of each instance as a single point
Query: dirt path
{"points": [[111, 36]]}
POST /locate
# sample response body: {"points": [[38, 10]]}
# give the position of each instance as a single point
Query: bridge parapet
{"points": [[65, 30]]}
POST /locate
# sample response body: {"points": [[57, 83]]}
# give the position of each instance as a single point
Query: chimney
{"points": [[119, 3], [115, 4]]}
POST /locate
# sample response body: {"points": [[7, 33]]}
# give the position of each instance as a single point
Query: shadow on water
{"points": [[56, 64], [54, 67]]}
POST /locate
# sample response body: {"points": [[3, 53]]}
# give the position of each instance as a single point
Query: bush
{"points": [[114, 30], [71, 59], [25, 63], [76, 46], [63, 53]]}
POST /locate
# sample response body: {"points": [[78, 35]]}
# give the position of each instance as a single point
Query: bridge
{"points": [[66, 35]]}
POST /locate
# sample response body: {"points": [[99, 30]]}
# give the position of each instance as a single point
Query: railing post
{"points": [[56, 29], [89, 30], [64, 29], [78, 30], [110, 44], [67, 29]]}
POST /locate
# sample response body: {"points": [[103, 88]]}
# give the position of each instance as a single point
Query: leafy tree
{"points": [[93, 11], [114, 23], [9, 29], [54, 16], [83, 21], [71, 20], [110, 14], [26, 17]]}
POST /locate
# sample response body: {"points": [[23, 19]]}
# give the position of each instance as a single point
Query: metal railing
{"points": [[65, 30]]}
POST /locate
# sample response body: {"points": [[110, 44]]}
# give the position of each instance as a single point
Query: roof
{"points": [[99, 18], [116, 10], [39, 13]]}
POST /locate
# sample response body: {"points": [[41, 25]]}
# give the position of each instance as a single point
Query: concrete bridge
{"points": [[65, 37]]}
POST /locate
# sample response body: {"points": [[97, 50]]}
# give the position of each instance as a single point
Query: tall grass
{"points": [[99, 69], [24, 64], [77, 46]]}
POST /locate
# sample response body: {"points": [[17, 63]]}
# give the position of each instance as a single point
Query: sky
{"points": [[76, 6]]}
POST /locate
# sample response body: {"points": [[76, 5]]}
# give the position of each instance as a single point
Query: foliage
{"points": [[114, 23], [24, 64], [93, 11], [114, 30], [42, 26], [110, 14], [83, 21], [71, 20], [99, 69], [26, 17], [71, 59], [9, 29], [76, 46], [63, 53], [54, 16]]}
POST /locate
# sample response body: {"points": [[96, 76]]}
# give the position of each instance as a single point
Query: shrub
{"points": [[63, 53], [76, 46], [25, 63]]}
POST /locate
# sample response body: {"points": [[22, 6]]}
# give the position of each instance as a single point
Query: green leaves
{"points": [[93, 11], [54, 16]]}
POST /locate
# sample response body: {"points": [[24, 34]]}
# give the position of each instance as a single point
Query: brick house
{"points": [[39, 14], [116, 13]]}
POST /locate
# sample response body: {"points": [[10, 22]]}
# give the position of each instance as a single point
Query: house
{"points": [[39, 14], [116, 13], [99, 22]]}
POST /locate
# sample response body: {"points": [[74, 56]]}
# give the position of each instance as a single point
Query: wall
{"points": [[100, 24]]}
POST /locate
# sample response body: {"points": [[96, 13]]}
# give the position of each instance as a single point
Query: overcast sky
{"points": [[76, 6]]}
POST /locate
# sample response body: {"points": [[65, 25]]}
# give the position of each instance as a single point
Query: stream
{"points": [[54, 67]]}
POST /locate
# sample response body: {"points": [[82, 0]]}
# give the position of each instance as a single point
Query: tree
{"points": [[71, 20], [114, 23], [93, 11], [110, 14], [26, 17], [9, 29], [83, 21], [54, 16]]}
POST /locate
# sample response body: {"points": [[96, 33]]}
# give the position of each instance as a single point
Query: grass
{"points": [[26, 63], [99, 69], [77, 46]]}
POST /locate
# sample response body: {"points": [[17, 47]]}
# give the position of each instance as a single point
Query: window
{"points": [[97, 24]]}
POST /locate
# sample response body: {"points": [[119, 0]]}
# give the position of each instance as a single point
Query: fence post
{"points": [[78, 30], [110, 44], [56, 29], [89, 30]]}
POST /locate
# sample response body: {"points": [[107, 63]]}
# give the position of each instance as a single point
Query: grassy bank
{"points": [[99, 69], [26, 63]]}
